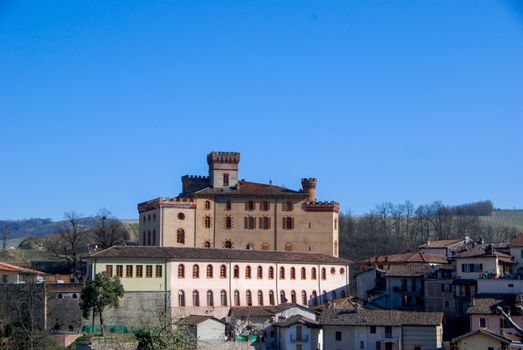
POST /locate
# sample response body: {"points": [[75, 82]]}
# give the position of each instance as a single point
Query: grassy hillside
{"points": [[506, 218]]}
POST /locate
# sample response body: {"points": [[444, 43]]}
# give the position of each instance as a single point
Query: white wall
{"points": [[501, 286], [211, 330]]}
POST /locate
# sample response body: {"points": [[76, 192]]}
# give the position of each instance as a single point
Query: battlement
{"points": [[223, 157], [193, 183], [177, 202], [322, 206], [309, 186]]}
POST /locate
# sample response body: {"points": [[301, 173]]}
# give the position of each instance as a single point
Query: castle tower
{"points": [[223, 169], [309, 186]]}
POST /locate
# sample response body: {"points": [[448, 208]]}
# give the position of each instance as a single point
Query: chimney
{"points": [[309, 187], [467, 238]]}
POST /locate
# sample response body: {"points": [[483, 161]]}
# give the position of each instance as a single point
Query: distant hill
{"points": [[506, 217]]}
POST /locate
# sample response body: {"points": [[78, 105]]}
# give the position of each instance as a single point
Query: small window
{"points": [[181, 271], [210, 298], [378, 345], [75, 296], [271, 297], [223, 271], [373, 329], [227, 244], [293, 273], [323, 273], [333, 270], [283, 298], [236, 298], [109, 270], [259, 272], [149, 271], [60, 296], [207, 205], [293, 297], [483, 322], [139, 270], [206, 244], [228, 222], [225, 180], [158, 271], [287, 223], [362, 344], [236, 271], [303, 273], [181, 216], [260, 298], [228, 205], [248, 272], [248, 298], [128, 271], [180, 236], [209, 271], [288, 206], [313, 273], [282, 273], [181, 298], [265, 206], [207, 221], [195, 271], [271, 273], [304, 297], [249, 222], [223, 298], [195, 298], [338, 336], [119, 270]]}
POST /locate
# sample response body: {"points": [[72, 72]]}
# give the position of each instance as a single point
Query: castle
{"points": [[222, 211]]}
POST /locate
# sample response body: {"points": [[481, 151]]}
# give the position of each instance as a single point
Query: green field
{"points": [[20, 256]]}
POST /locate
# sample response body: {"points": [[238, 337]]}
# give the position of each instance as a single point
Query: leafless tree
{"points": [[109, 230]]}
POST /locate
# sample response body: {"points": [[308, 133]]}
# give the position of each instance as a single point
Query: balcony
{"points": [[304, 338], [389, 338]]}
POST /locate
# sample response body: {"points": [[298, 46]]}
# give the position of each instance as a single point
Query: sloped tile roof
{"points": [[15, 268], [482, 252], [193, 320], [206, 254], [263, 311], [251, 188], [516, 241], [367, 317], [297, 319], [445, 243], [408, 270]]}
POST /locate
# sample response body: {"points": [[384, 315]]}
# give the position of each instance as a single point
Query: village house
{"points": [[439, 291], [483, 262], [381, 330], [484, 339], [14, 274], [446, 248], [297, 332], [205, 328], [484, 313], [516, 250]]}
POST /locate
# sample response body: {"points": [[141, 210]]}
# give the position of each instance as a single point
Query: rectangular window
{"points": [[109, 270], [129, 271], [249, 205], [4, 278], [249, 222], [483, 322], [287, 223], [139, 271], [362, 344], [378, 345], [373, 329], [265, 223], [264, 206], [148, 270], [338, 336], [119, 270], [158, 271], [226, 180]]}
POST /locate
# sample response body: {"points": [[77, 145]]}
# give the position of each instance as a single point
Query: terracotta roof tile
{"points": [[15, 268], [193, 320], [516, 241], [186, 253], [262, 311], [250, 188], [408, 270], [367, 317], [297, 319]]}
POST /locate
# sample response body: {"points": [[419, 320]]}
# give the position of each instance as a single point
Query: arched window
{"points": [[271, 273], [236, 298], [333, 270], [248, 272], [206, 244], [207, 205], [260, 298], [335, 248], [293, 297], [209, 271], [149, 217], [293, 273], [210, 299], [282, 273], [342, 270], [181, 298], [314, 297], [283, 299], [313, 273], [75, 296], [195, 271], [303, 273], [180, 236], [228, 205], [228, 222], [304, 297], [271, 297], [60, 296], [195, 298], [181, 271], [236, 271], [207, 221], [323, 273], [223, 297], [259, 272], [248, 296], [181, 216], [227, 244], [223, 271]]}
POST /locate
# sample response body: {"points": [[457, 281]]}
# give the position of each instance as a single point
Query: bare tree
{"points": [[109, 230]]}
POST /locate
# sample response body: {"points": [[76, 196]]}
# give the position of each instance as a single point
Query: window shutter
{"points": [[245, 222], [292, 223], [260, 222], [283, 223], [268, 223]]}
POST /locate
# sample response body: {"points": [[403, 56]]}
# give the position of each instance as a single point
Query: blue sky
{"points": [[107, 104]]}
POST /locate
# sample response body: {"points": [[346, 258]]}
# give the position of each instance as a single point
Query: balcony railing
{"points": [[389, 337], [304, 338]]}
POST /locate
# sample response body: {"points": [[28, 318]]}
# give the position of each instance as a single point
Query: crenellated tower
{"points": [[309, 186], [223, 169]]}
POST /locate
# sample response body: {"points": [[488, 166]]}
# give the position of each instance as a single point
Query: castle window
{"points": [[181, 216], [323, 273], [287, 223], [209, 271], [293, 273], [288, 247], [206, 244], [271, 297], [249, 222], [293, 297], [282, 273], [228, 222], [249, 205], [180, 236], [139, 271], [119, 270], [248, 272], [249, 298], [195, 298], [288, 206], [207, 221], [148, 271], [225, 180], [264, 206], [154, 217], [335, 224], [158, 271], [207, 205], [195, 271], [260, 298], [223, 271], [236, 298], [283, 299], [228, 205], [181, 271], [313, 273], [304, 297], [259, 273], [128, 271], [181, 298], [223, 297], [271, 273], [265, 223], [303, 273], [236, 271], [109, 270], [333, 270], [227, 244], [210, 298]]}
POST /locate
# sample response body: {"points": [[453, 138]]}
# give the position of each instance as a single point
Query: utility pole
{"points": [[6, 236]]}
